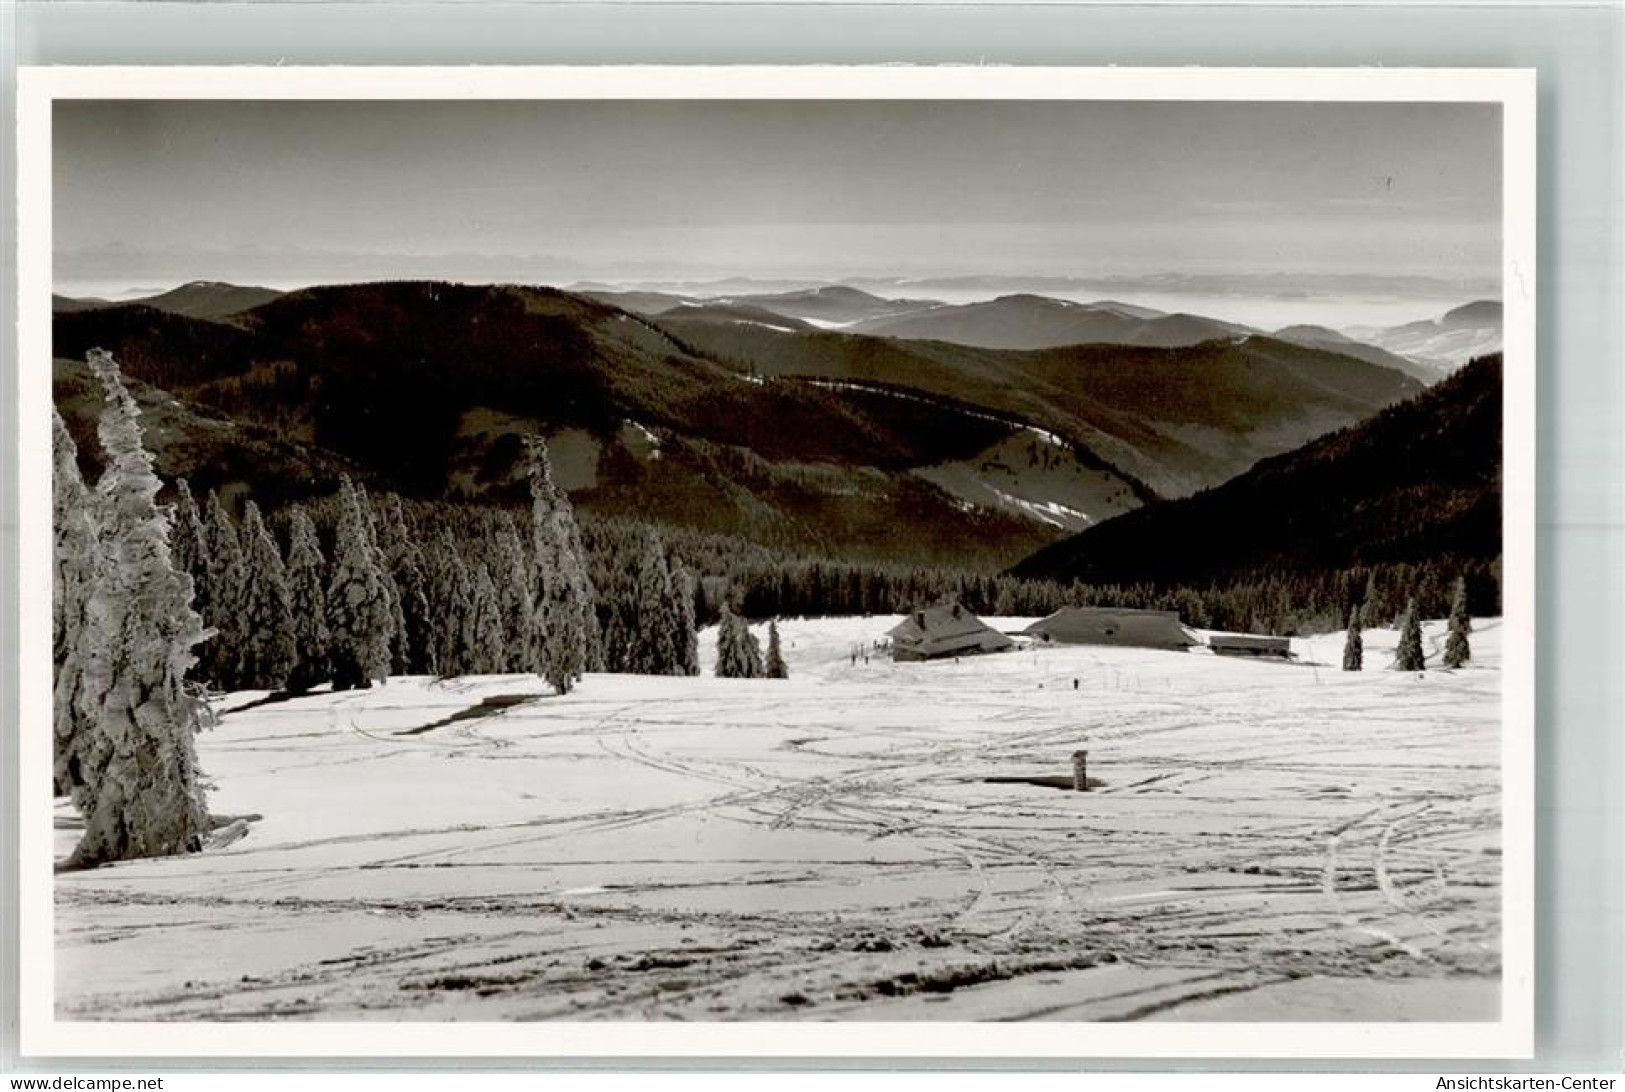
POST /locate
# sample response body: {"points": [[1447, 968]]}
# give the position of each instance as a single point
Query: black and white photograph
{"points": [[882, 548]]}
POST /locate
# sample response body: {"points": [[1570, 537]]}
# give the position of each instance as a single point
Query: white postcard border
{"points": [[42, 1034]]}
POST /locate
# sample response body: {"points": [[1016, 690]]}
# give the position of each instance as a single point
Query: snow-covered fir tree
{"points": [[1354, 643], [758, 668], [775, 667], [359, 618], [651, 642], [516, 596], [486, 652], [453, 606], [564, 612], [398, 650], [687, 640], [268, 644], [307, 602], [75, 561], [1379, 605], [138, 786], [222, 656], [410, 571], [1457, 649], [189, 550], [1409, 656], [738, 655], [617, 610]]}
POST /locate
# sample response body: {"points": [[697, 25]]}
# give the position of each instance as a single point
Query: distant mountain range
{"points": [[1176, 419], [1425, 351], [1322, 337], [830, 306], [197, 299], [1444, 344], [737, 414], [1419, 480], [747, 313], [1038, 322]]}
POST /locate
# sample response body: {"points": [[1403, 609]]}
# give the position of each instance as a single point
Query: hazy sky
{"points": [[288, 192]]}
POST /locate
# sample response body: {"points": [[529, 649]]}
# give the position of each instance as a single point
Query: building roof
{"points": [[1079, 613], [1249, 640], [1114, 625], [945, 628]]}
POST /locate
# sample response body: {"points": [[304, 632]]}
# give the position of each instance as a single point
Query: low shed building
{"points": [[1113, 626], [949, 630], [1249, 644]]}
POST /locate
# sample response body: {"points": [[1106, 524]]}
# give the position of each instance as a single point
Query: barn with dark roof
{"points": [[948, 630], [1113, 626]]}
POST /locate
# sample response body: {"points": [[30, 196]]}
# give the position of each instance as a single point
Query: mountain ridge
{"points": [[1177, 419], [427, 385], [1418, 480], [1024, 321]]}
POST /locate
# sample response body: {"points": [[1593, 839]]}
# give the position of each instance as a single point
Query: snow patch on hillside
{"points": [[637, 439], [1030, 474], [869, 388]]}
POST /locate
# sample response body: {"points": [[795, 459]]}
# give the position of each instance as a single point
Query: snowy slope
{"points": [[1032, 474], [1267, 841]]}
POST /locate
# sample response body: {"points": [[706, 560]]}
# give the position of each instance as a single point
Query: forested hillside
{"points": [[1419, 482]]}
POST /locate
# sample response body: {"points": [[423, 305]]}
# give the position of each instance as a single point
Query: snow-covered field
{"points": [[1267, 842]]}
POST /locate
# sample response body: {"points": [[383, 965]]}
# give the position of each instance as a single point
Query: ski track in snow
{"points": [[1271, 841]]}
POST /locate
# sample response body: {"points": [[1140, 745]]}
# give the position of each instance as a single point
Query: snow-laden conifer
{"points": [[414, 591], [775, 667], [753, 654], [1409, 656], [651, 643], [564, 614], [516, 597], [307, 601], [1354, 643], [189, 550], [453, 607], [1374, 606], [1457, 650], [687, 640], [359, 618], [75, 565], [222, 656], [487, 654], [738, 656], [398, 650], [268, 645], [138, 785], [464, 651]]}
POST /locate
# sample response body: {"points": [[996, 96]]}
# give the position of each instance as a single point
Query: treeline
{"points": [[763, 583], [371, 587], [352, 588]]}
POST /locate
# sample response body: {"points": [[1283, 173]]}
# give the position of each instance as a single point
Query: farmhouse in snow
{"points": [[1249, 644], [948, 630], [1113, 626]]}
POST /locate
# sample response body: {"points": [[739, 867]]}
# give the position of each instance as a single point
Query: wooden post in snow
{"points": [[1080, 771]]}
